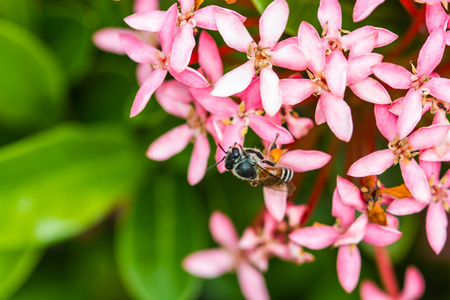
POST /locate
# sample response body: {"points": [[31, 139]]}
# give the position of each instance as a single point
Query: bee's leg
{"points": [[257, 152], [270, 163], [253, 184]]}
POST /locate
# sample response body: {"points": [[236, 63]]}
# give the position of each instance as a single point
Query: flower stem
{"points": [[386, 270]]}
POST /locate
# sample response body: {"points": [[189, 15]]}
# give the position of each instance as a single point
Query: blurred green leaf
{"points": [[15, 267], [56, 184], [32, 86], [22, 12], [164, 226], [66, 30]]}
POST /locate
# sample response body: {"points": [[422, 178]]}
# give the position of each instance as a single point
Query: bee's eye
{"points": [[235, 152]]}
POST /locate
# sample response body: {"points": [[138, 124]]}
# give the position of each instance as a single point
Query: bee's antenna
{"points": [[220, 146], [216, 163], [274, 144]]}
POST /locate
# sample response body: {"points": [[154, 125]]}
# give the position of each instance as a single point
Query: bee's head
{"points": [[232, 157]]}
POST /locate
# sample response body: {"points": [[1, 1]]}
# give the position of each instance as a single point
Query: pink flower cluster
{"points": [[253, 96]]}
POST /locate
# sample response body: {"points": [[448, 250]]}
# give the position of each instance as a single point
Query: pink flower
{"points": [[400, 151], [262, 56], [414, 287], [108, 39], [270, 239], [419, 82], [159, 61], [174, 97], [436, 220], [215, 262], [188, 20], [347, 232]]}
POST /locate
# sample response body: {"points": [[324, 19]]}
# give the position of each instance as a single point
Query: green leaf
{"points": [[164, 226], [32, 86], [66, 31], [15, 267], [22, 12], [58, 183]]}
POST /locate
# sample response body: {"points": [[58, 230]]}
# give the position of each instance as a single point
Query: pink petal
{"points": [[137, 50], [320, 114], [167, 29], [209, 263], [289, 56], [314, 237], [304, 160], [146, 90], [393, 75], [186, 5], [348, 267], [108, 39], [439, 88], [199, 159], [436, 225], [336, 72], [378, 235], [372, 164], [206, 16], [295, 214], [275, 203], [296, 90], [415, 180], [299, 127], [182, 48], [435, 16], [339, 210], [356, 36], [273, 22], [311, 45], [385, 37], [350, 195], [249, 239], [223, 231], [431, 169], [270, 91], [386, 121], [414, 285], [209, 57], [268, 130], [233, 31], [338, 115], [361, 66], [364, 45], [431, 53], [222, 106], [369, 291], [190, 77], [411, 113], [251, 282], [371, 91], [143, 71], [363, 8], [354, 233], [170, 143], [146, 20], [235, 81], [175, 98], [145, 5], [329, 14], [405, 206], [426, 137]]}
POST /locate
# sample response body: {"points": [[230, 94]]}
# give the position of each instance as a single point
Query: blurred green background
{"points": [[85, 215]]}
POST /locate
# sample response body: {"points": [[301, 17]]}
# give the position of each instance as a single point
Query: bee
{"points": [[249, 164]]}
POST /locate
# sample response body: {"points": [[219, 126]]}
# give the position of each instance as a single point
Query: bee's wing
{"points": [[287, 187]]}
